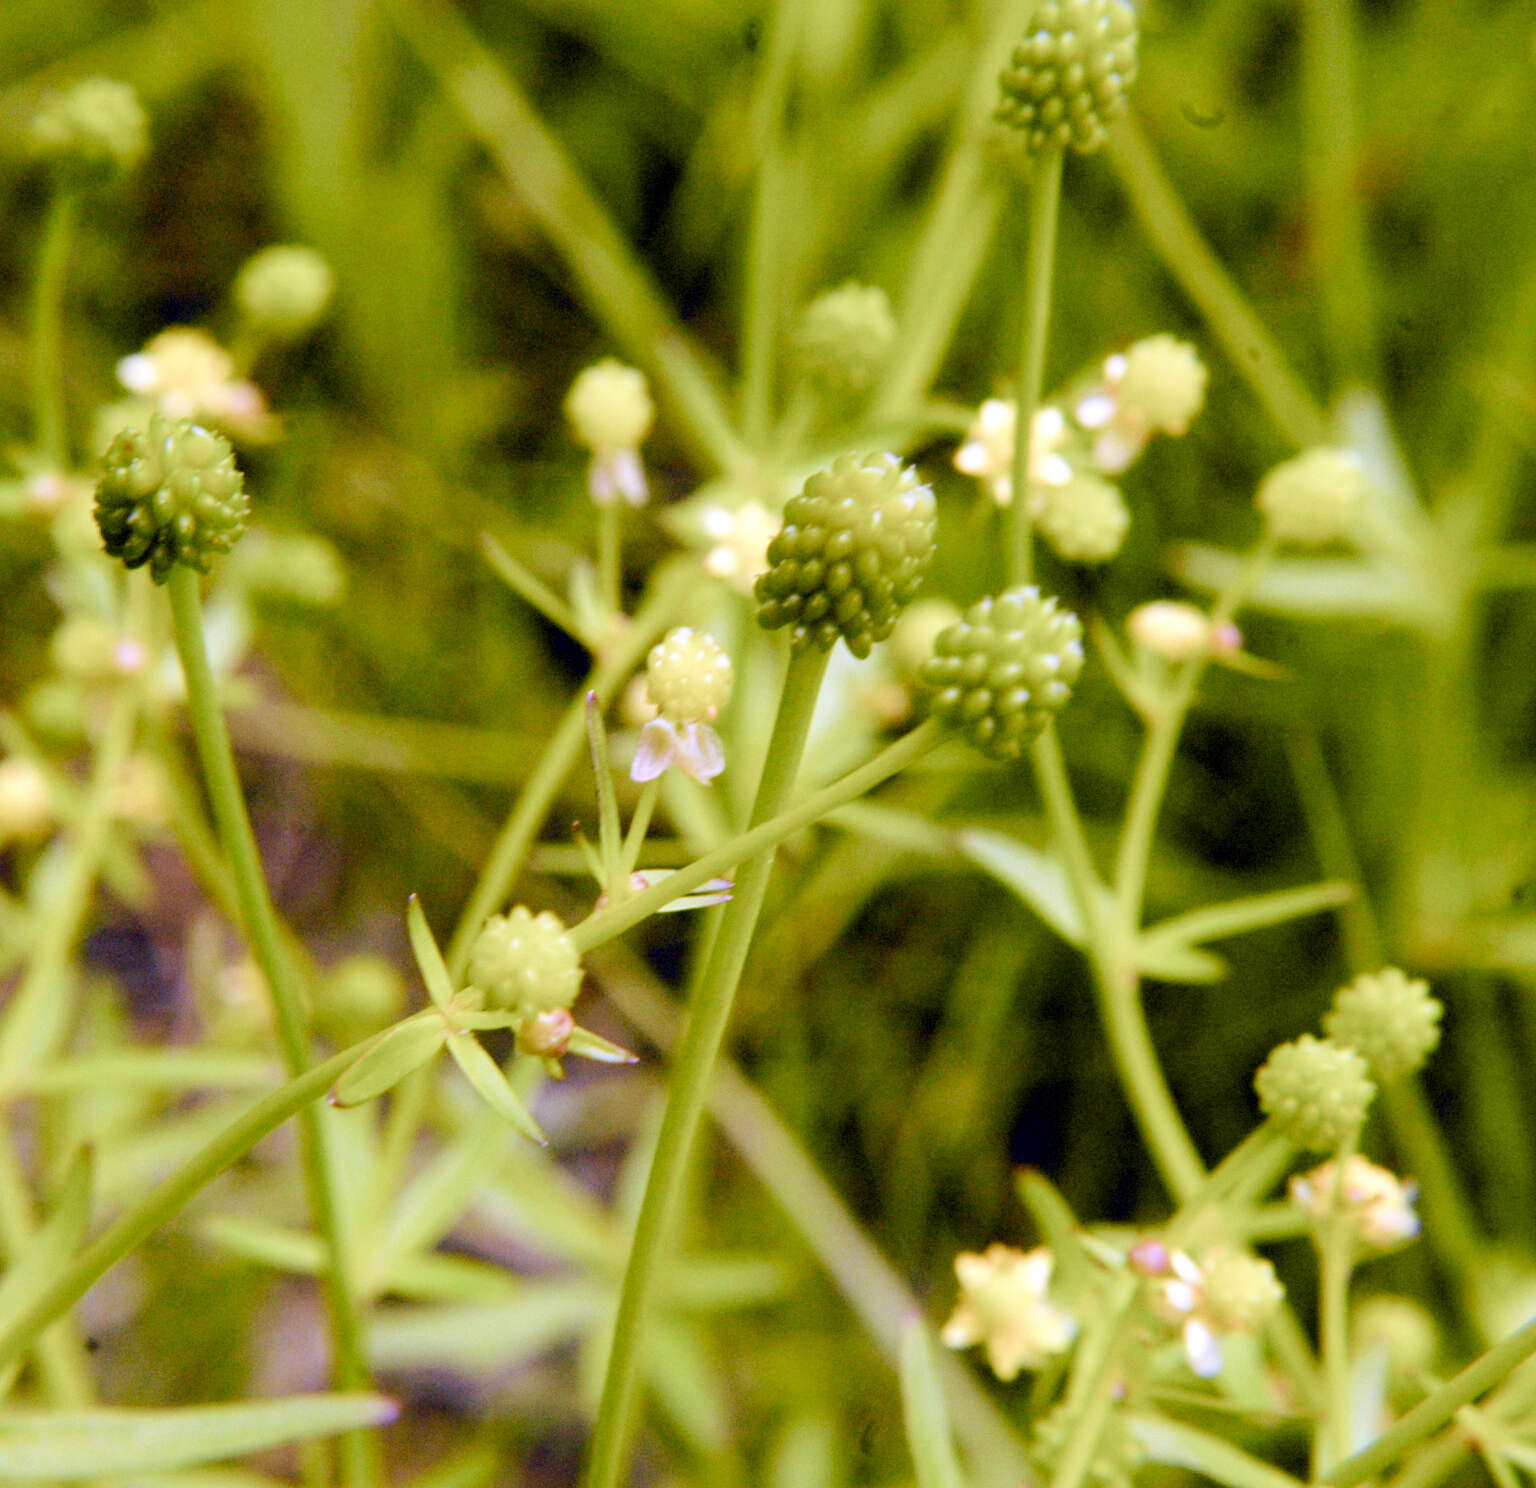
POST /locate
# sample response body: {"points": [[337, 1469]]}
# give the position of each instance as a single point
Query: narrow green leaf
{"points": [[927, 1417], [593, 1046], [429, 960], [1058, 1228], [482, 1338], [687, 1383], [1238, 916], [271, 1245], [384, 1063], [151, 1069], [1172, 963], [481, 1072], [36, 1446], [1178, 1445], [1036, 877]]}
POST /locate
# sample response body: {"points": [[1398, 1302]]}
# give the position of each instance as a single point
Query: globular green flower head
{"points": [[1005, 670], [525, 964], [1070, 74], [1390, 1017], [853, 550], [91, 132], [1316, 1092], [170, 493]]}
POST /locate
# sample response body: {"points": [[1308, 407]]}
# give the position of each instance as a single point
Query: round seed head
{"points": [[1005, 669], [1316, 1091], [1070, 74], [844, 337], [284, 289], [170, 493], [1390, 1017], [1314, 499], [853, 550], [1163, 379], [525, 963], [688, 676], [609, 406], [1241, 1290], [92, 132], [1085, 520]]}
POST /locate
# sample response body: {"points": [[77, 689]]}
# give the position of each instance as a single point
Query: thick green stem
{"points": [[271, 955], [1039, 262], [1336, 1256], [688, 1086], [560, 755], [132, 1228], [47, 341]]}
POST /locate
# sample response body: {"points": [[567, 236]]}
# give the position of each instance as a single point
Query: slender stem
{"points": [[1093, 1387], [609, 572], [639, 825], [1437, 1408], [688, 1086], [1335, 1244], [133, 1227], [608, 923], [47, 341], [1250, 348], [1039, 262], [359, 1449], [560, 755]]}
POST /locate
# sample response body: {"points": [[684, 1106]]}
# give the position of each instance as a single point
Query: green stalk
{"points": [[359, 1449], [1253, 352], [510, 851], [47, 340], [688, 1085], [133, 1227], [1335, 1248], [1039, 262], [610, 575]]}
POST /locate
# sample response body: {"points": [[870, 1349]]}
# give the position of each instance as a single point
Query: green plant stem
{"points": [[510, 851], [1250, 348], [688, 1084], [614, 283], [133, 1227], [47, 339], [609, 573], [1092, 1391], [359, 1449], [608, 923], [1436, 1409], [1335, 1254], [1039, 262]]}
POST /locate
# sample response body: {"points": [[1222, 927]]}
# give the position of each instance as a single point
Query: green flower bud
{"points": [[1069, 76], [609, 406], [92, 132], [283, 290], [525, 963], [1005, 669], [1085, 520], [688, 676], [1316, 1091], [170, 494], [1241, 1290], [1163, 379], [1390, 1018], [1314, 499], [844, 336], [853, 550]]}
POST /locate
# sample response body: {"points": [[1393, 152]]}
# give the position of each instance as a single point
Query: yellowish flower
{"points": [[1004, 1306], [188, 375], [1378, 1204], [987, 451]]}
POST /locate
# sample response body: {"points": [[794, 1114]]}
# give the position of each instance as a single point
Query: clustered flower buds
{"points": [[1391, 1018], [1228, 1292], [1155, 386], [610, 409], [1377, 1204], [1005, 669], [1070, 75], [844, 336], [688, 681], [170, 494], [283, 290], [91, 132], [1084, 520], [1314, 499], [1004, 1306], [524, 963], [853, 550], [1316, 1092]]}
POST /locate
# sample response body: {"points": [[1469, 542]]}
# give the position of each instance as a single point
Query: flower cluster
{"points": [[1377, 1204]]}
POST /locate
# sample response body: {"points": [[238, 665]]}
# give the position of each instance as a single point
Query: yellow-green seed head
{"points": [[1084, 521], [688, 676], [1070, 74], [1005, 670], [283, 290], [1241, 1290], [844, 336], [1163, 379], [609, 406], [170, 493], [1390, 1017], [92, 132], [1315, 1091], [525, 963], [1314, 499], [853, 550]]}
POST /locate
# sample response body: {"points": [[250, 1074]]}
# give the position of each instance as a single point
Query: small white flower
{"points": [[1156, 386], [1378, 1204], [610, 409], [694, 748], [1231, 1292], [987, 451], [1177, 631], [188, 375], [739, 538], [1004, 1307]]}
